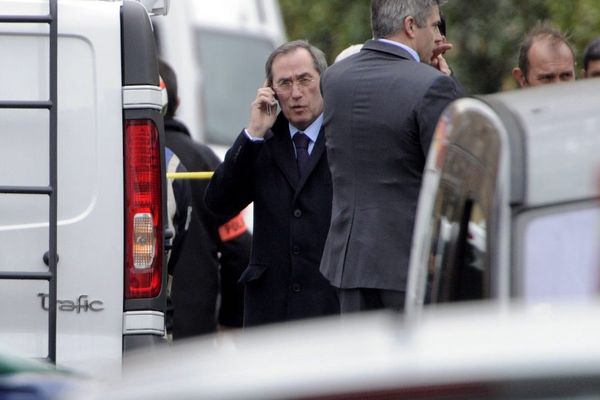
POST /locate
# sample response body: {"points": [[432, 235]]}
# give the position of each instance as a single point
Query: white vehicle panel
{"points": [[567, 125], [448, 351], [90, 189]]}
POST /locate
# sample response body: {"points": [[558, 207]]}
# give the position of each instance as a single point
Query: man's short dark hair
{"points": [[170, 79], [541, 31], [591, 53], [319, 59]]}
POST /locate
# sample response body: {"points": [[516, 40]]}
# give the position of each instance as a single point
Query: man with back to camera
{"points": [[381, 108], [545, 57], [591, 59], [442, 45], [204, 291], [279, 162]]}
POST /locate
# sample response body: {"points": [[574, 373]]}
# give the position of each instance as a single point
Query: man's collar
{"points": [[410, 50], [312, 131]]}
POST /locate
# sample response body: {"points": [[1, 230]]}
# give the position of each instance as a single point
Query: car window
{"points": [[559, 252], [471, 255], [227, 91], [444, 230], [458, 266]]}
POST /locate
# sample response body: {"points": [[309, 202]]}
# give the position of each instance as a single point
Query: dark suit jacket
{"points": [[381, 108], [208, 268], [291, 219]]}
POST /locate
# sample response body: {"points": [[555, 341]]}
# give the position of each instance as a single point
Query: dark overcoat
{"points": [[291, 219]]}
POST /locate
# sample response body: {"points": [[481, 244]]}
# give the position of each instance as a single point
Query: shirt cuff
{"points": [[253, 138]]}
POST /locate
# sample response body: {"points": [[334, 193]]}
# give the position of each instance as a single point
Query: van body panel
{"points": [[137, 45], [554, 245], [90, 204], [558, 122], [90, 188]]}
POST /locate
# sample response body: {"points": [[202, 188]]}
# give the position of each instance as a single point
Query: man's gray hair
{"points": [[319, 60], [387, 16]]}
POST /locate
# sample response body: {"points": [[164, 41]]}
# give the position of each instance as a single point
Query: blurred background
{"points": [[486, 33]]}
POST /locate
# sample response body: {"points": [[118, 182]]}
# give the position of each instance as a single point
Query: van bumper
{"points": [[134, 342], [143, 328]]}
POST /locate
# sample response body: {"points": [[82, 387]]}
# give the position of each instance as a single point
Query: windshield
{"points": [[232, 68]]}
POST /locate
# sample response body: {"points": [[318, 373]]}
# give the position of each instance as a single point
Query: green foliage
{"points": [[486, 33], [579, 19], [331, 25]]}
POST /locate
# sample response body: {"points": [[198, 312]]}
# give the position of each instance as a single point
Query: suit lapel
{"points": [[281, 149], [282, 152]]}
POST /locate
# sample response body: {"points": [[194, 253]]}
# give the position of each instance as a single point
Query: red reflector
{"points": [[143, 215]]}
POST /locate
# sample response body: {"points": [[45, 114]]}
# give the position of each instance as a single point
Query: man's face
{"points": [[549, 63], [428, 35], [297, 85], [593, 69]]}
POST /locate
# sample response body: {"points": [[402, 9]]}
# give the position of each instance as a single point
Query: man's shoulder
{"points": [[447, 83], [423, 75], [186, 147]]}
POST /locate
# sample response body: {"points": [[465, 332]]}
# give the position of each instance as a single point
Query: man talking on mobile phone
{"points": [[279, 162]]}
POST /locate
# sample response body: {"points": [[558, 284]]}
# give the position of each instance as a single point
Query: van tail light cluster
{"points": [[143, 210]]}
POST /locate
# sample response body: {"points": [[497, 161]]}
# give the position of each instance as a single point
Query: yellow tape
{"points": [[190, 175]]}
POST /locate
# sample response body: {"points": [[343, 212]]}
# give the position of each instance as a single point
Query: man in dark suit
{"points": [[381, 108], [204, 290], [279, 162]]}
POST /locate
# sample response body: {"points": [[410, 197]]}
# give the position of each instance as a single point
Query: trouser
{"points": [[364, 299]]}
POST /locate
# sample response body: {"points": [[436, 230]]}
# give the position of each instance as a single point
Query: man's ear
{"points": [[519, 77], [410, 26]]}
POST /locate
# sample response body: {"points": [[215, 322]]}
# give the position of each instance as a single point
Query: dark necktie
{"points": [[301, 142]]}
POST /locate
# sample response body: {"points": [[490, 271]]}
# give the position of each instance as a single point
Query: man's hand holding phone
{"points": [[263, 111]]}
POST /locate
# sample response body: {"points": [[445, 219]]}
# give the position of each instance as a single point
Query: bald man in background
{"points": [[545, 57]]}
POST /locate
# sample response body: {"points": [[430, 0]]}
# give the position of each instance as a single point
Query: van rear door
{"points": [[90, 193], [99, 58]]}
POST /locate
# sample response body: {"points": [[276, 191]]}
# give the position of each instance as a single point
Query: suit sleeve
{"points": [[440, 94], [231, 188], [228, 193]]}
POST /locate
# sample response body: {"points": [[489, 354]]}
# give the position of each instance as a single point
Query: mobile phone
{"points": [[273, 107]]}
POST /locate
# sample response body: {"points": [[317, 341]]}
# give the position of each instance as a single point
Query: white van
{"points": [[218, 50], [509, 206], [82, 273]]}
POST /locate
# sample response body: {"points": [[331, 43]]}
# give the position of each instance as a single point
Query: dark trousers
{"points": [[363, 299]]}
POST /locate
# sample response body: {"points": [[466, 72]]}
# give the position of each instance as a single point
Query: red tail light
{"points": [[143, 215]]}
